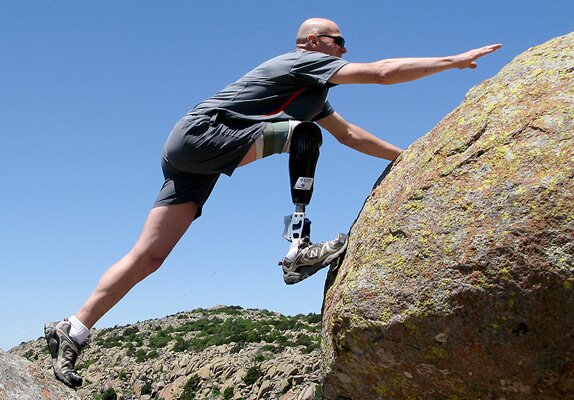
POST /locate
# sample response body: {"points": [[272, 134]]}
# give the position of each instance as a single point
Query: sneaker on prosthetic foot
{"points": [[64, 351], [310, 258]]}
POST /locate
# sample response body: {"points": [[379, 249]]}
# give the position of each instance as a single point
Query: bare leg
{"points": [[249, 157], [163, 229]]}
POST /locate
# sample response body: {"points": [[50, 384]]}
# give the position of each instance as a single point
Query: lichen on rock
{"points": [[459, 277]]}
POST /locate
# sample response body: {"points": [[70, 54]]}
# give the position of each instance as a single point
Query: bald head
{"points": [[321, 35], [315, 25]]}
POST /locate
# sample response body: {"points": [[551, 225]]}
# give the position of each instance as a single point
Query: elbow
{"points": [[391, 77], [384, 73], [390, 72], [347, 139], [384, 77]]}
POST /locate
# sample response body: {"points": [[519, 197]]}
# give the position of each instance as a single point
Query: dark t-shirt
{"points": [[291, 86], [215, 136]]}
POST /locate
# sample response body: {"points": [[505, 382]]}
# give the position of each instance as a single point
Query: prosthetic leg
{"points": [[304, 258], [303, 156]]}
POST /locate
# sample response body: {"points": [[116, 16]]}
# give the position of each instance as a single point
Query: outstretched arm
{"points": [[398, 70], [357, 138]]}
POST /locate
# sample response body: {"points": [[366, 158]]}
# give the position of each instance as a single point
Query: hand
{"points": [[467, 59]]}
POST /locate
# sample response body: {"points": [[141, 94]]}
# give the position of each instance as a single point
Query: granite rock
{"points": [[458, 282], [22, 380]]}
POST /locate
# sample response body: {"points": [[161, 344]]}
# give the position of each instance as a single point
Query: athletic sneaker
{"points": [[64, 351], [310, 258]]}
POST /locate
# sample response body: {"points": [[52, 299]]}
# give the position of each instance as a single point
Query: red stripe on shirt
{"points": [[287, 102]]}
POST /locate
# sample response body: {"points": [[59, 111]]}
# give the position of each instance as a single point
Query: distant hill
{"points": [[221, 353]]}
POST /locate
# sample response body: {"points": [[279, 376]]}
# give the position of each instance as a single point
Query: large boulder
{"points": [[458, 282], [22, 380]]}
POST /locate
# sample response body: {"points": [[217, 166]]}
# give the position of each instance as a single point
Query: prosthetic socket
{"points": [[303, 156]]}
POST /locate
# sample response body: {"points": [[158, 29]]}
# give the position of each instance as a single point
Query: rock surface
{"points": [[22, 380], [459, 278]]}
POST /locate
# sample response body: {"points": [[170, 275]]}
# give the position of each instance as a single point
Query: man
{"points": [[274, 108]]}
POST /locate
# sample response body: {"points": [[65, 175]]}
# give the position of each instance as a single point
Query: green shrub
{"points": [[180, 344], [318, 392], [252, 375], [314, 318], [269, 347], [303, 340], [152, 354], [228, 393], [134, 341], [141, 355], [202, 325], [190, 388], [285, 323], [236, 348], [29, 354], [229, 310], [108, 394], [132, 330], [112, 341], [146, 388], [131, 350], [160, 339]]}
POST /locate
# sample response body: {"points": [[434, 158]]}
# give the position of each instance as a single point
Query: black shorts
{"points": [[199, 149]]}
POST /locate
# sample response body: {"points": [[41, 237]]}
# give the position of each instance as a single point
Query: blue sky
{"points": [[90, 90]]}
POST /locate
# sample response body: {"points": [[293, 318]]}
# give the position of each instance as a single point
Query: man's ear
{"points": [[312, 39]]}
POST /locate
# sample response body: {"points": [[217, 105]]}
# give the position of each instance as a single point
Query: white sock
{"points": [[78, 331]]}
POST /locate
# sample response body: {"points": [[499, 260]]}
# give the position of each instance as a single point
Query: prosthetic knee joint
{"points": [[303, 156]]}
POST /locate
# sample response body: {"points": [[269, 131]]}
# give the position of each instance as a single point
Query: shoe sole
{"points": [[53, 342], [332, 257], [51, 339]]}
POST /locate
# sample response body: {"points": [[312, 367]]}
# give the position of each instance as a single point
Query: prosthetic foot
{"points": [[304, 258]]}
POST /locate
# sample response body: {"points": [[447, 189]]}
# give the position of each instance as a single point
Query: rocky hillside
{"points": [[458, 282], [220, 353]]}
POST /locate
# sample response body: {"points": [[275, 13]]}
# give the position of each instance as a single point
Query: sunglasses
{"points": [[339, 41]]}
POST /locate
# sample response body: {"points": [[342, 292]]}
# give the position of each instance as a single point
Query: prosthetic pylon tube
{"points": [[303, 156]]}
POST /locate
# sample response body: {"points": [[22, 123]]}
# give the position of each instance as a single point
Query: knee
{"points": [[147, 262], [154, 262]]}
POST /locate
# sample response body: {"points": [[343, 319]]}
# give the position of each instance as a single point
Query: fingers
{"points": [[467, 60], [486, 50], [491, 48]]}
